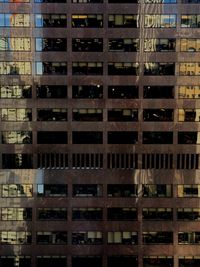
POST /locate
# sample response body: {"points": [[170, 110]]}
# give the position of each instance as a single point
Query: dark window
{"points": [[163, 214], [85, 214], [56, 238], [54, 114], [17, 161], [122, 1], [86, 261], [150, 238], [121, 260], [121, 214], [118, 114], [52, 214], [87, 137], [157, 137], [51, 91], [188, 214], [51, 261], [48, 137], [123, 21], [87, 68], [87, 238], [159, 68], [51, 190], [123, 68], [13, 261], [123, 45], [87, 21], [87, 45], [188, 138], [51, 44], [158, 114], [158, 261], [189, 261], [158, 92], [51, 68], [87, 114], [87, 190], [122, 92], [188, 238], [122, 190], [122, 137], [87, 91], [159, 190]]}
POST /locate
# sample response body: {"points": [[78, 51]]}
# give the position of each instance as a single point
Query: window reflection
{"points": [[189, 91], [14, 20], [15, 44], [160, 21], [15, 238], [188, 114], [17, 137], [190, 45], [15, 91], [16, 214], [15, 68], [190, 21], [16, 114], [189, 69], [159, 68], [159, 45], [17, 190]]}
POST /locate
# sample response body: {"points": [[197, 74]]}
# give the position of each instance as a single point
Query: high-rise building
{"points": [[100, 134]]}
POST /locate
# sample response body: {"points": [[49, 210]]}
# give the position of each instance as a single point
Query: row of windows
{"points": [[96, 91], [96, 238], [96, 214], [96, 260], [96, 44], [96, 68], [93, 114], [92, 137], [96, 20], [109, 1], [96, 190]]}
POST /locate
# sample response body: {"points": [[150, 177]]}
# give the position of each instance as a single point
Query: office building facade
{"points": [[99, 133]]}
